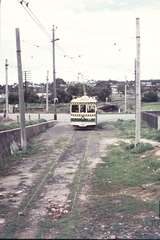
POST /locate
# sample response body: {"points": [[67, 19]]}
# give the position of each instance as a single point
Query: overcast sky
{"points": [[98, 37]]}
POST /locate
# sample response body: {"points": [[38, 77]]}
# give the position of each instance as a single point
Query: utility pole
{"points": [[7, 106], [54, 72], [21, 93], [135, 82], [0, 39], [125, 95], [47, 91], [138, 85]]}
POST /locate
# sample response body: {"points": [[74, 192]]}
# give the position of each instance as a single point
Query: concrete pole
{"points": [[47, 91], [21, 93], [138, 85], [6, 71], [54, 74], [125, 95], [135, 82], [1, 66]]}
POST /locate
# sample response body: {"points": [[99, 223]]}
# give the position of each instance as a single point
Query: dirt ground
{"points": [[49, 194]]}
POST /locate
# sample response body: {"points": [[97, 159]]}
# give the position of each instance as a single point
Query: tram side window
{"points": [[90, 108], [83, 108], [75, 108]]}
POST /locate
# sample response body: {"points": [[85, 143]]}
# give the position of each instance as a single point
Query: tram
{"points": [[83, 111]]}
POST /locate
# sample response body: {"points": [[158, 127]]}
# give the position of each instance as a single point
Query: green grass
{"points": [[13, 125], [61, 107], [122, 167], [153, 106], [127, 128], [151, 133]]}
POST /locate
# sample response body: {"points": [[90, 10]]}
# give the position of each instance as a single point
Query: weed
{"points": [[139, 148]]}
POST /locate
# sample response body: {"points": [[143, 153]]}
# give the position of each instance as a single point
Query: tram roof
{"points": [[84, 99]]}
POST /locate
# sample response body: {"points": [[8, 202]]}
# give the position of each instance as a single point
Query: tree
{"points": [[150, 96], [75, 90], [63, 96], [103, 94], [29, 94], [31, 97], [103, 90], [13, 98]]}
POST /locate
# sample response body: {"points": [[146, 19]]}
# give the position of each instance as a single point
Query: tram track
{"points": [[75, 186], [79, 174], [76, 155]]}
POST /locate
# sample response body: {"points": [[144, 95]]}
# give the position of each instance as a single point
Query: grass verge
{"points": [[14, 125], [123, 167], [127, 128]]}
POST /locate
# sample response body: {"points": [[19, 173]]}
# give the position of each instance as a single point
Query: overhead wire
{"points": [[34, 18], [26, 7], [40, 24]]}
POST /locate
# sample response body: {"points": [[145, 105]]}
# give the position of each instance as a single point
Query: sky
{"points": [[97, 38]]}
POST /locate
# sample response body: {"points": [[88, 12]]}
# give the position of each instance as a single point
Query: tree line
{"points": [[65, 91], [101, 89]]}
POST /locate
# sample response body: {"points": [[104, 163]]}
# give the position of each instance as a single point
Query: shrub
{"points": [[139, 148], [150, 96]]}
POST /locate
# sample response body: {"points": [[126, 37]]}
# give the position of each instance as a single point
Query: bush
{"points": [[150, 97], [139, 148]]}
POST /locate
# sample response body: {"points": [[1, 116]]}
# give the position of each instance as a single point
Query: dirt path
{"points": [[23, 184], [37, 182]]}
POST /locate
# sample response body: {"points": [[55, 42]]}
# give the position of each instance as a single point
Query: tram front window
{"points": [[90, 108], [75, 108], [82, 108]]}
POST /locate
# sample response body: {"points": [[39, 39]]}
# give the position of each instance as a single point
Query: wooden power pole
{"points": [[138, 85], [21, 93], [6, 71]]}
